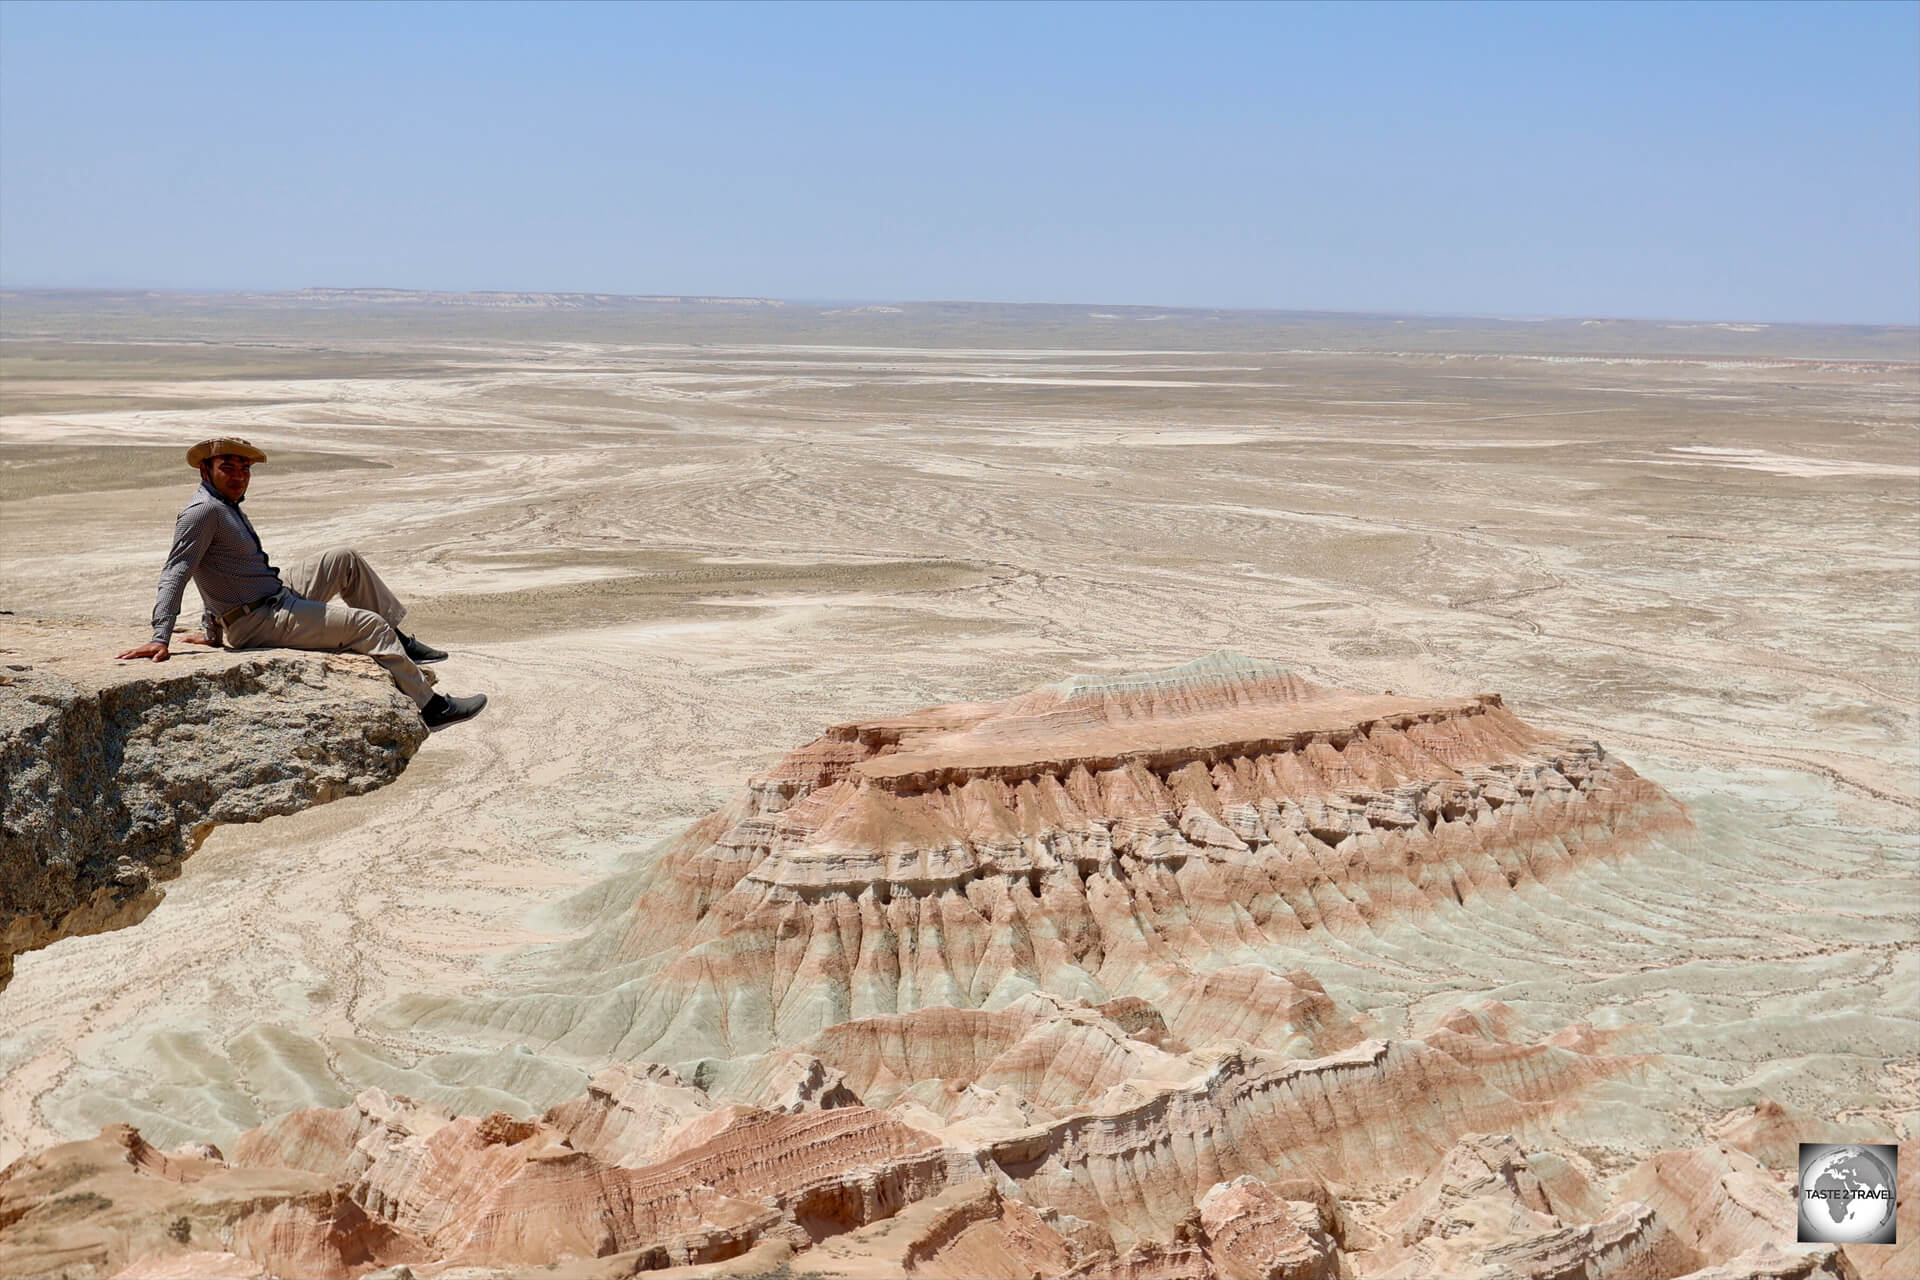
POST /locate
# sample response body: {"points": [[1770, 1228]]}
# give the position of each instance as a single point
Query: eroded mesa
{"points": [[1013, 989]]}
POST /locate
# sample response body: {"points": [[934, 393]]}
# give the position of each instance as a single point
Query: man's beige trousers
{"points": [[363, 622]]}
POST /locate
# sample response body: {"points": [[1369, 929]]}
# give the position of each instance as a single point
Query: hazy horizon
{"points": [[1710, 163], [295, 293]]}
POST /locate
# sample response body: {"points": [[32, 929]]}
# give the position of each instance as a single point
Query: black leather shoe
{"points": [[421, 652], [442, 711]]}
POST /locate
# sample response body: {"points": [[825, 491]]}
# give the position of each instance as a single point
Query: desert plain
{"points": [[674, 540]]}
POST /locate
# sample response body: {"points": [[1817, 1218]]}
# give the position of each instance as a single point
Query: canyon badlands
{"points": [[968, 791]]}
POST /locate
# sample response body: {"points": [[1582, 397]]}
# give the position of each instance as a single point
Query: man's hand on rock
{"points": [[194, 637], [155, 649]]}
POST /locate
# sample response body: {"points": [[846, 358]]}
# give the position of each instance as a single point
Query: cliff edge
{"points": [[111, 773]]}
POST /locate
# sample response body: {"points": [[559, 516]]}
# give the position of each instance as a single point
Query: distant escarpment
{"points": [[1139, 836], [111, 774]]}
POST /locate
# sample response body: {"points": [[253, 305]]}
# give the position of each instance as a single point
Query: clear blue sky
{"points": [[1720, 161]]}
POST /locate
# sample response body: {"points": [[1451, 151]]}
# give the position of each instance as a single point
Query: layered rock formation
{"points": [[112, 773], [1161, 837], [1014, 989], [387, 1182]]}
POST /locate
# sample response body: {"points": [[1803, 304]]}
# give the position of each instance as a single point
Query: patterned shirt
{"points": [[215, 545]]}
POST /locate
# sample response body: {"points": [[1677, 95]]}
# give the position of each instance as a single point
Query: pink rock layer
{"points": [[1095, 840], [861, 1195]]}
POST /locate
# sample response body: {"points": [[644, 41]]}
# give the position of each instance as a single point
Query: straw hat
{"points": [[224, 444]]}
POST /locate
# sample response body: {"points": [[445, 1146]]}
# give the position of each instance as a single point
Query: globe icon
{"points": [[1846, 1196]]}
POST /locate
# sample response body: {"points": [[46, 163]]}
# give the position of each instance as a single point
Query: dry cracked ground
{"points": [[1308, 962]]}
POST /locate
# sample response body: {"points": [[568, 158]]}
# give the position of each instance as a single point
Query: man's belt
{"points": [[238, 612]]}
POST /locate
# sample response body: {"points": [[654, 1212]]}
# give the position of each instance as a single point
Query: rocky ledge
{"points": [[112, 773]]}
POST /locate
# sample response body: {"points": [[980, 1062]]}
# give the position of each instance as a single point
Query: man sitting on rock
{"points": [[249, 604]]}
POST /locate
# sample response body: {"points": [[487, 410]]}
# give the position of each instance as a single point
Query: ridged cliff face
{"points": [[1097, 839], [643, 1173]]}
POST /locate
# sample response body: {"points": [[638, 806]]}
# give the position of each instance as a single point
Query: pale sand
{"points": [[667, 564]]}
